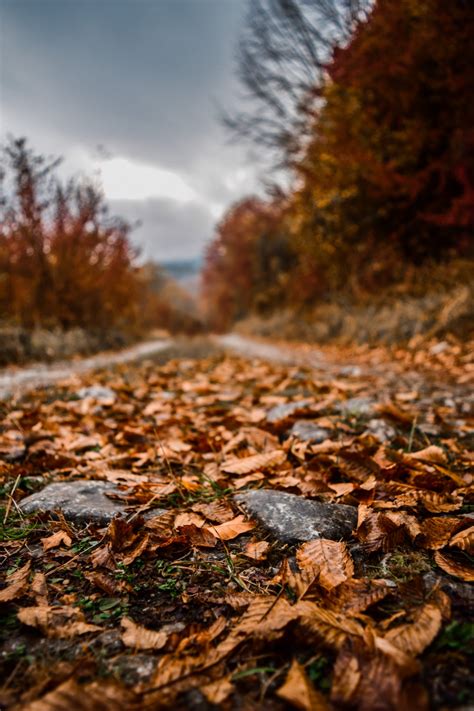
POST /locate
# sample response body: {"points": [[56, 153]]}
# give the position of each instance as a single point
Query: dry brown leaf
{"points": [[56, 622], [140, 547], [429, 454], [55, 540], [231, 529], [436, 532], [218, 691], [199, 536], [414, 637], [247, 465], [265, 618], [300, 692], [105, 696], [139, 637], [17, 583], [454, 567], [216, 511], [464, 540], [103, 557], [39, 588], [331, 628], [188, 519], [355, 595], [327, 560], [378, 532], [104, 582], [257, 550]]}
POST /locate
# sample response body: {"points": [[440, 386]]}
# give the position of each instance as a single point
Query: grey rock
{"points": [[381, 430], [97, 392], [293, 518], [309, 432], [81, 501], [356, 406], [281, 412]]}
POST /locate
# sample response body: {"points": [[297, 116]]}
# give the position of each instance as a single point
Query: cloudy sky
{"points": [[131, 88]]}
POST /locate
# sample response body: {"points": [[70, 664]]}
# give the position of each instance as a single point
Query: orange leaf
{"points": [[56, 540], [330, 561], [257, 550], [138, 637], [247, 465], [231, 529], [454, 567], [56, 622], [299, 691], [17, 583]]}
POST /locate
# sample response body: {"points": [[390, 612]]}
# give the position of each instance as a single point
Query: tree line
{"points": [[368, 108], [65, 262]]}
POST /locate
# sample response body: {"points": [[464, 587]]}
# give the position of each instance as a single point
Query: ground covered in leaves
{"points": [[202, 607]]}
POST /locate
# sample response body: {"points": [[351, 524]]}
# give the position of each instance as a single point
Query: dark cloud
{"points": [[141, 78]]}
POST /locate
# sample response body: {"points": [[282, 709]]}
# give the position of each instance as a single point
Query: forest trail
{"points": [[226, 519]]}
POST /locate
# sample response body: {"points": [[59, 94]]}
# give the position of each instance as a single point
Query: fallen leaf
{"points": [[257, 550], [247, 465], [199, 536], [17, 583], [455, 567], [429, 454], [300, 692], [218, 691], [327, 560], [414, 637], [55, 540], [437, 531], [464, 540], [56, 622], [231, 529], [188, 519], [139, 637], [329, 627]]}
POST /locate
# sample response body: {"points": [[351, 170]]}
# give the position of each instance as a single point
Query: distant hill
{"points": [[185, 272]]}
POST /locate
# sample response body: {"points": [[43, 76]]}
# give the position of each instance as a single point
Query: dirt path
{"points": [[14, 380]]}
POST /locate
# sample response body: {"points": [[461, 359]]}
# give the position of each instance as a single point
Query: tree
{"points": [[282, 59], [63, 260]]}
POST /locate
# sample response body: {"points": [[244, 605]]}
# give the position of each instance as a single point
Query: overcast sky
{"points": [[131, 88]]}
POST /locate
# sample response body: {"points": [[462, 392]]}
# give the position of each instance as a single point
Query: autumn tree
{"points": [[281, 64], [247, 265], [63, 260]]}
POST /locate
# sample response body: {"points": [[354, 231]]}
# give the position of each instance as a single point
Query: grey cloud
{"points": [[141, 78], [169, 230]]}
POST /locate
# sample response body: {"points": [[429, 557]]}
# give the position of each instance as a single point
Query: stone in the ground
{"points": [[381, 430], [281, 412], [356, 406], [309, 432], [293, 518], [81, 501], [97, 392]]}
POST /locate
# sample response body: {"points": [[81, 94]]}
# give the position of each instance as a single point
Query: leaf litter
{"points": [[223, 612]]}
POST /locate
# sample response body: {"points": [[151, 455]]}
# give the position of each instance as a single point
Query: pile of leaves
{"points": [[199, 606]]}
